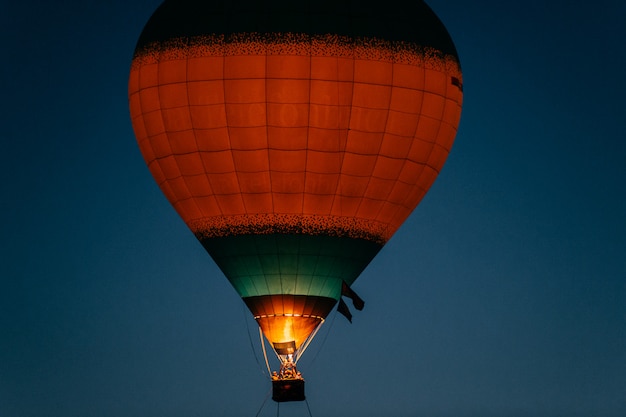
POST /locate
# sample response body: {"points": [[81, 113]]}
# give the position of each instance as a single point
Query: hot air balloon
{"points": [[294, 138]]}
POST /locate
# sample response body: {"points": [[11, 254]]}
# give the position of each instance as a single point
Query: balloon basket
{"points": [[284, 390]]}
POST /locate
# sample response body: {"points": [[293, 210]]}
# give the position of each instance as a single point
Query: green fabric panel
{"points": [[294, 264]]}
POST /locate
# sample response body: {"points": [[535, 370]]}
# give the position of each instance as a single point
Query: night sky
{"points": [[504, 293]]}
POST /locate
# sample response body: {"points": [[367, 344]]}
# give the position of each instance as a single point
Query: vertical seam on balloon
{"points": [[384, 133], [342, 149], [217, 200], [236, 170], [181, 176], [158, 88], [193, 131], [308, 129], [267, 132]]}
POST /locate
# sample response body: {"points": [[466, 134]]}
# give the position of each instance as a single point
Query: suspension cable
{"points": [[263, 403], [306, 343], [269, 371], [319, 349], [256, 358], [307, 407]]}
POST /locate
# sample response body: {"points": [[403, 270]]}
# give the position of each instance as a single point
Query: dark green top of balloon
{"points": [[391, 20]]}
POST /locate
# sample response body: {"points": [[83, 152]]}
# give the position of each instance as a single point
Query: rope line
{"points": [[307, 342], [319, 349], [307, 407], [256, 358], [263, 403], [269, 371]]}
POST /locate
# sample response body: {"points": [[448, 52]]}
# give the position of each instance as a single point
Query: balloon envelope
{"points": [[294, 138]]}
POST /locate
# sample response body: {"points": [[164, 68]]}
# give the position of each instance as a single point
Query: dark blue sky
{"points": [[504, 294]]}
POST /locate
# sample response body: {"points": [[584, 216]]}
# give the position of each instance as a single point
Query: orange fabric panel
{"points": [[353, 186], [190, 164], [254, 182], [148, 75], [288, 90], [331, 92], [406, 100], [203, 68], [427, 128], [331, 140], [258, 201], [224, 184], [218, 162], [379, 188], [373, 72], [179, 188], [372, 96], [409, 76], [244, 90], [255, 160], [445, 137], [172, 71], [368, 120], [287, 182], [364, 143], [288, 115], [146, 150], [210, 140], [289, 67], [321, 183], [316, 204], [401, 124], [332, 67], [173, 95], [149, 100], [370, 208], [256, 129], [188, 208], [208, 117], [231, 203], [169, 167], [246, 115], [386, 169], [420, 150], [205, 92], [437, 156], [182, 142], [432, 106], [324, 162], [208, 205], [198, 185], [176, 119], [244, 66], [157, 172], [326, 116], [358, 165], [287, 161], [436, 81], [287, 138], [410, 172], [247, 137], [396, 147], [344, 206]]}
